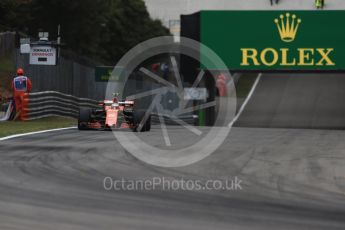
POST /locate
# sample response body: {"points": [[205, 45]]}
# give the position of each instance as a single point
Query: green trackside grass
{"points": [[18, 127]]}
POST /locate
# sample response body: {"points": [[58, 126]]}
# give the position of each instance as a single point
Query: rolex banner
{"points": [[275, 40]]}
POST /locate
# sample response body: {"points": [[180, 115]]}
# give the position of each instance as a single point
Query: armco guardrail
{"points": [[182, 120], [51, 103], [7, 113]]}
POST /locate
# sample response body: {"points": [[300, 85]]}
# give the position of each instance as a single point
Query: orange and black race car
{"points": [[114, 114]]}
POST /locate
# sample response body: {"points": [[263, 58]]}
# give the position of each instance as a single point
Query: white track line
{"points": [[34, 133], [246, 101]]}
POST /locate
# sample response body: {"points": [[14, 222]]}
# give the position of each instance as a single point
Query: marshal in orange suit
{"points": [[20, 86]]}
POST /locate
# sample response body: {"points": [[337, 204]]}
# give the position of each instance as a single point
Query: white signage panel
{"points": [[25, 48], [42, 55]]}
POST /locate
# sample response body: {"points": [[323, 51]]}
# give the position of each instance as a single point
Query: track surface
{"points": [[292, 179], [297, 101]]}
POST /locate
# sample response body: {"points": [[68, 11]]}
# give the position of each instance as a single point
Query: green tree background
{"points": [[100, 29]]}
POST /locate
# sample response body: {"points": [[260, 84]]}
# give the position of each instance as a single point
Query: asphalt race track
{"points": [[297, 101], [291, 178]]}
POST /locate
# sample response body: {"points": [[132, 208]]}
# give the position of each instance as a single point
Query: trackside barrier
{"points": [[7, 115], [182, 120], [52, 103]]}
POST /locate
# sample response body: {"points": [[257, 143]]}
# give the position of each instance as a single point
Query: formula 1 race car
{"points": [[113, 114]]}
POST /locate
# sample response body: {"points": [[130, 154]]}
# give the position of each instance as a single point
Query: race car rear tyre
{"points": [[138, 116], [84, 118]]}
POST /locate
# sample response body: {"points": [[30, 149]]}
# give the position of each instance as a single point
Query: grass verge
{"points": [[9, 128]]}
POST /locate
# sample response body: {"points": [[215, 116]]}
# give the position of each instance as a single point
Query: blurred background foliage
{"points": [[103, 30]]}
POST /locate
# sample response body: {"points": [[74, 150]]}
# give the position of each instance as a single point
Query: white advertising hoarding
{"points": [[42, 55]]}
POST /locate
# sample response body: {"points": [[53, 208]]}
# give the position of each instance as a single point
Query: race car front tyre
{"points": [[84, 118]]}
